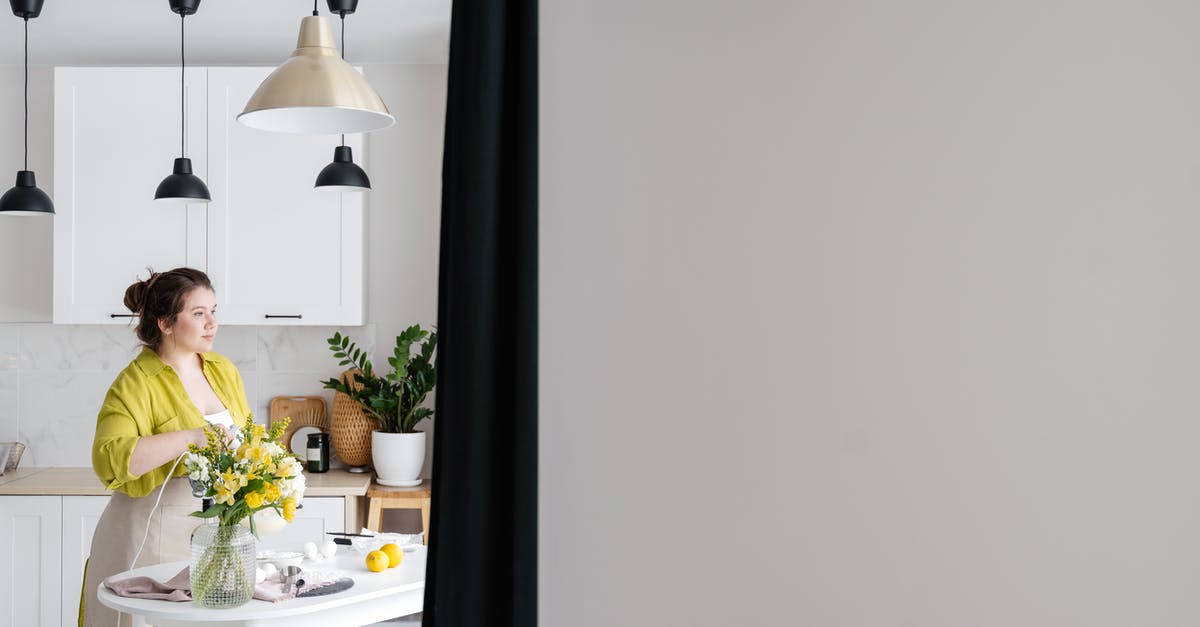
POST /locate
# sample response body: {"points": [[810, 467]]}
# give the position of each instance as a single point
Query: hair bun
{"points": [[135, 295]]}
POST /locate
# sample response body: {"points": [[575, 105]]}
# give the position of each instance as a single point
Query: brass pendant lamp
{"points": [[25, 199], [343, 175], [315, 91]]}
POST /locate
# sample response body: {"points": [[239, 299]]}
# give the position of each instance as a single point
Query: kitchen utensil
{"points": [[305, 411], [10, 456], [338, 585], [289, 578]]}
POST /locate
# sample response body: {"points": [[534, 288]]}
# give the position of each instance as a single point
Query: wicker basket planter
{"points": [[350, 428]]}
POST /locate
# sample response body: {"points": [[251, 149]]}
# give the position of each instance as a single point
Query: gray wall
{"points": [[870, 313]]}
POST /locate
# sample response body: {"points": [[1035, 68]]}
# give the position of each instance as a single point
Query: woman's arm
{"points": [[152, 451]]}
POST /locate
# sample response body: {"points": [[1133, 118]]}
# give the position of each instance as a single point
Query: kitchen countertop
{"points": [[83, 482]]}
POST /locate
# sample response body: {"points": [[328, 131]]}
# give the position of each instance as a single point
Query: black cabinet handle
{"points": [[296, 316], [122, 315]]}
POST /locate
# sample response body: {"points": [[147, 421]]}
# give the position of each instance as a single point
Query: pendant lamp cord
{"points": [[26, 92], [343, 56], [315, 8], [182, 92]]}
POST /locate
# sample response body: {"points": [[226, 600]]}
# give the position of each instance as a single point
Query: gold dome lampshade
{"points": [[315, 91]]}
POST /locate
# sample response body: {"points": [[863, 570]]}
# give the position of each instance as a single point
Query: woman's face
{"points": [[196, 326]]}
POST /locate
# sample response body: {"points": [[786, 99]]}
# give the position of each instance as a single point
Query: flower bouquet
{"points": [[243, 475]]}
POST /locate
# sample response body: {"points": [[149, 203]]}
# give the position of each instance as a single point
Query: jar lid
{"points": [[315, 438]]}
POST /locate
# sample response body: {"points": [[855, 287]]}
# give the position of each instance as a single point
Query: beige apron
{"points": [[119, 533]]}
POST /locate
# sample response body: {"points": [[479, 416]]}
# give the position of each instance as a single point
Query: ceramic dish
{"points": [[299, 441], [281, 559], [366, 544]]}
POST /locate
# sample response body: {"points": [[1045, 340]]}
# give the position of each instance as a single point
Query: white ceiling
{"points": [[222, 32]]}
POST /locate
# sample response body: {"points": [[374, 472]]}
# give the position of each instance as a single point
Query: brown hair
{"points": [[161, 297]]}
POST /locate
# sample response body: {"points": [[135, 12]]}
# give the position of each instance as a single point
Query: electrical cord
{"points": [[146, 534], [26, 92], [152, 510]]}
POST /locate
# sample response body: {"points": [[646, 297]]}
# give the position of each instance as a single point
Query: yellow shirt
{"points": [[148, 398]]}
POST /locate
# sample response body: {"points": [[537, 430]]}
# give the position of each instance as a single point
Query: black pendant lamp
{"points": [[181, 185], [26, 199], [343, 175]]}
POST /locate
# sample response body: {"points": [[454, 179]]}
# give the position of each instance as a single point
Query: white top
{"points": [[220, 418]]}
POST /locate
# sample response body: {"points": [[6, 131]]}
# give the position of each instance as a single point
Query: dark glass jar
{"points": [[318, 452]]}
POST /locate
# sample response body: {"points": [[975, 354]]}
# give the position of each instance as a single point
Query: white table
{"points": [[398, 591]]}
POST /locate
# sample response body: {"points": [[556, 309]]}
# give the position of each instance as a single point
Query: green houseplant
{"points": [[394, 400]]}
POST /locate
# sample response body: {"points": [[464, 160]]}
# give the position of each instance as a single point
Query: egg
{"points": [[329, 549], [310, 550], [269, 569], [259, 575]]}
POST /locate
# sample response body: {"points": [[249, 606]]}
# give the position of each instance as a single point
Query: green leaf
{"points": [[211, 512]]}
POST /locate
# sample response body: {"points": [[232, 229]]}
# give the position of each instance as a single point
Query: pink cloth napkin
{"points": [[178, 588]]}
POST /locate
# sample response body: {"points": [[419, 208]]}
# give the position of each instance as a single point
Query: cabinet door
{"points": [[317, 516], [79, 517], [278, 247], [116, 135], [31, 530]]}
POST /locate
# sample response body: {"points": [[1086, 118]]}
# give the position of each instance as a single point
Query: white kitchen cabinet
{"points": [[277, 247], [79, 517], [116, 135], [317, 516], [277, 250], [31, 530]]}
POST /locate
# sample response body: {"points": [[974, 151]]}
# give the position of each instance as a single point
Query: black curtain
{"points": [[482, 567]]}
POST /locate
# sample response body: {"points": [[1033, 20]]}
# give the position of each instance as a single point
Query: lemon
{"points": [[377, 561], [395, 555]]}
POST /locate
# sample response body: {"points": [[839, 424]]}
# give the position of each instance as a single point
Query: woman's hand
{"points": [[199, 438]]}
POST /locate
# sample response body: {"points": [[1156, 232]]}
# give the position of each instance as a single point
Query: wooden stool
{"points": [[383, 497]]}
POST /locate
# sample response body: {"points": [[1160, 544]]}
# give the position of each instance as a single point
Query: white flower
{"points": [[290, 466], [293, 487], [196, 465]]}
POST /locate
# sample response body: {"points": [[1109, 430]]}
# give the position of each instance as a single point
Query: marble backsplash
{"points": [[54, 377]]}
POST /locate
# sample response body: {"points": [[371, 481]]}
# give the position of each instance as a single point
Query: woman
{"points": [[156, 407]]}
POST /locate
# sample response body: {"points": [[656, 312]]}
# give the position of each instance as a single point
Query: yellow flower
{"points": [[233, 480], [254, 500], [272, 492], [289, 509], [224, 495]]}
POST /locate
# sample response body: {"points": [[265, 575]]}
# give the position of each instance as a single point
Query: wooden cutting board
{"points": [[305, 411]]}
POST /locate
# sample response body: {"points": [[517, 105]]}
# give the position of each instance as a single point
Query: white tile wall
{"points": [[54, 377], [57, 415], [8, 404], [10, 348]]}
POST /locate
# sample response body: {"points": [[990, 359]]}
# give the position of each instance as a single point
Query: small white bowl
{"points": [[281, 559], [366, 544]]}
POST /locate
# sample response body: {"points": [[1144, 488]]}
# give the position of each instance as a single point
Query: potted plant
{"points": [[394, 401]]}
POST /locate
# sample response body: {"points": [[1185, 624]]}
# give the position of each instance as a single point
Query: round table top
{"points": [[408, 577]]}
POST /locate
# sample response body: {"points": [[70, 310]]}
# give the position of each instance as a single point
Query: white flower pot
{"points": [[398, 457]]}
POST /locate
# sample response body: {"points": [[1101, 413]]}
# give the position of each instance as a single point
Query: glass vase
{"points": [[222, 565]]}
